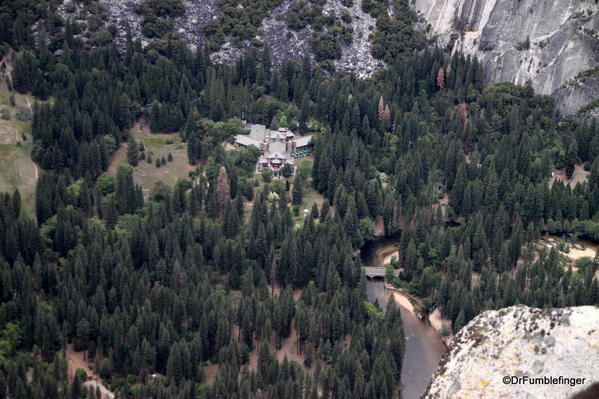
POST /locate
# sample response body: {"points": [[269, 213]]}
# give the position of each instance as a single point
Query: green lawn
{"points": [[17, 171], [311, 197], [146, 174]]}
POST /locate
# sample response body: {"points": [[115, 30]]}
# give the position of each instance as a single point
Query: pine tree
{"points": [[298, 191], [132, 152], [222, 191], [305, 113], [571, 158], [25, 71], [456, 196], [594, 176]]}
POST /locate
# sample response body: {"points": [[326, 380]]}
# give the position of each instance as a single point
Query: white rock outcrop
{"points": [[520, 341]]}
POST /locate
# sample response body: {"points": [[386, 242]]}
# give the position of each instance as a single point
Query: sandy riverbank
{"points": [[437, 322], [389, 257], [402, 300], [435, 319]]}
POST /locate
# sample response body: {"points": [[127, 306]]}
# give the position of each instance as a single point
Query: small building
{"points": [[278, 147], [302, 147]]}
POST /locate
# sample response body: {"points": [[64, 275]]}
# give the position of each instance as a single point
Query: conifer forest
{"points": [[232, 283]]}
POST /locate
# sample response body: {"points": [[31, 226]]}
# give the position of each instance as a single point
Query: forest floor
{"points": [[276, 289], [574, 253], [76, 360], [579, 176], [310, 195], [210, 373], [288, 349], [379, 226], [157, 146], [288, 345], [17, 170]]}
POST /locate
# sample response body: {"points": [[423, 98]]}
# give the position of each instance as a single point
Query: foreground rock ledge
{"points": [[518, 341]]}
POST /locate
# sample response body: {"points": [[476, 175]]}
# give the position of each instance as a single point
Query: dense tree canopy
{"points": [[216, 270]]}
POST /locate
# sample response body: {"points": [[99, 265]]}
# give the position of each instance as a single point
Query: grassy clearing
{"points": [[22, 100], [17, 171], [156, 146], [310, 195]]}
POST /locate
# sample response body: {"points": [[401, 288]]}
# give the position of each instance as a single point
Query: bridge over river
{"points": [[374, 271], [423, 345]]}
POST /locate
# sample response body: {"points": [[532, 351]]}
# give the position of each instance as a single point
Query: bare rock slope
{"points": [[521, 341], [552, 43], [284, 43]]}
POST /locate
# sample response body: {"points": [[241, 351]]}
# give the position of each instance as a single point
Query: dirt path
{"points": [[210, 373], [75, 361]]}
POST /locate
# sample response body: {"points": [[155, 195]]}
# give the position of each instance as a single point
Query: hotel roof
{"points": [[277, 146], [247, 140], [303, 141], [258, 132]]}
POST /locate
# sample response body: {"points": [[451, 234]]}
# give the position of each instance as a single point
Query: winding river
{"points": [[424, 346]]}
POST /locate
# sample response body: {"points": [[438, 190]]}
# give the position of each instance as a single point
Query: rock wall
{"points": [[549, 42], [356, 58], [552, 43], [189, 26], [284, 43], [518, 341]]}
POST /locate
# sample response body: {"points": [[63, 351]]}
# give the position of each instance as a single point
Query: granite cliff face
{"points": [[552, 43], [520, 341]]}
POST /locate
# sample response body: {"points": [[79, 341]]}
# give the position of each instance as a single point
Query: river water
{"points": [[374, 253], [423, 346]]}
